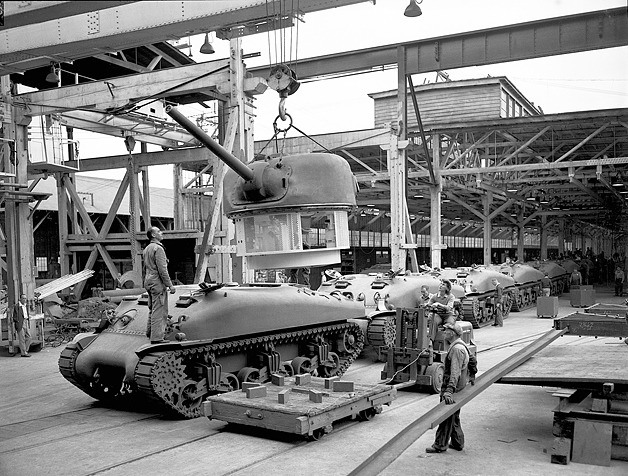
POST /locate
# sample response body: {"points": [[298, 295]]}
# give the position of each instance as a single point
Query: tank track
{"points": [[524, 297], [161, 376], [382, 331], [101, 387]]}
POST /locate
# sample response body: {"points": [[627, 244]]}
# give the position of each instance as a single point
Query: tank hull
{"points": [[527, 284], [217, 340], [381, 294], [557, 274]]}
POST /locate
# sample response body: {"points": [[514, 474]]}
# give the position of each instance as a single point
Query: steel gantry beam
{"points": [[536, 39], [31, 45]]}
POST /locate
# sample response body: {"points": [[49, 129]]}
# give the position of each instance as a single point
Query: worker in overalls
{"points": [[157, 282], [457, 374]]}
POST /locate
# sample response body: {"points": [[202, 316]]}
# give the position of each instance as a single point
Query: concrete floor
{"points": [[47, 426]]}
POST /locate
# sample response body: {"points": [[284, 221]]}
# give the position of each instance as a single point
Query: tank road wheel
{"points": [[230, 381], [189, 397], [301, 365], [330, 367], [437, 372], [248, 374], [506, 305]]}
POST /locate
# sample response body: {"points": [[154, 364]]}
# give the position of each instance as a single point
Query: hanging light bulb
{"points": [[207, 48], [413, 9], [52, 77]]}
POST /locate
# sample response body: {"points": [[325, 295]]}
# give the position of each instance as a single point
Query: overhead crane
{"points": [[77, 46]]}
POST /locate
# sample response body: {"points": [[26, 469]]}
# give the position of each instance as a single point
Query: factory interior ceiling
{"points": [[535, 169]]}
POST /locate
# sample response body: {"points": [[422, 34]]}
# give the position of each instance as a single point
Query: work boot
{"points": [[433, 449]]}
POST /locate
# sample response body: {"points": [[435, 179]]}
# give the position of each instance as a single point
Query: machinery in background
{"points": [[381, 294], [527, 284], [219, 336], [478, 304], [418, 358]]}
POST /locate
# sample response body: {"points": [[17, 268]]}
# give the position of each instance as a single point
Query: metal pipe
{"points": [[223, 154]]}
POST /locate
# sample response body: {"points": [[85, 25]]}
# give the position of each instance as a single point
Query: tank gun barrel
{"points": [[223, 154]]}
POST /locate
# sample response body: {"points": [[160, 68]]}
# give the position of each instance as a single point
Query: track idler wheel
{"points": [[189, 396]]}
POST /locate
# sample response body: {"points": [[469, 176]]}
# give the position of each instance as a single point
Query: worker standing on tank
{"points": [[449, 433], [546, 285], [441, 306], [156, 282], [497, 297]]}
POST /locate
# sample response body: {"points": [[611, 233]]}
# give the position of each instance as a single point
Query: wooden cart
{"points": [[303, 405]]}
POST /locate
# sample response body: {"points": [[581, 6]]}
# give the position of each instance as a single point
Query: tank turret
{"points": [[274, 201]]}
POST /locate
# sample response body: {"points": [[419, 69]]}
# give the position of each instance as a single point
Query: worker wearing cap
{"points": [[497, 309], [449, 433]]}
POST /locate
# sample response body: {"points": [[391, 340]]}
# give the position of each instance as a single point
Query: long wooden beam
{"points": [[117, 92], [388, 453]]}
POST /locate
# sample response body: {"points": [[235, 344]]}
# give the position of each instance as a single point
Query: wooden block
{"points": [[303, 379], [283, 397], [256, 392], [277, 380], [343, 386], [329, 382], [246, 385], [561, 451], [592, 443], [316, 396]]}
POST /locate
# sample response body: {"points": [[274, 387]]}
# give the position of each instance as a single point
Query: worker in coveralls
{"points": [[457, 373], [157, 282], [21, 319], [497, 297]]}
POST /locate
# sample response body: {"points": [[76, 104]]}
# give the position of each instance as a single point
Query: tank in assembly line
{"points": [[478, 303], [381, 294], [527, 284], [557, 274], [221, 336]]}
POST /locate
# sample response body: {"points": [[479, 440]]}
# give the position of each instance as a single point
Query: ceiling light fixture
{"points": [[413, 9], [207, 48], [52, 77]]}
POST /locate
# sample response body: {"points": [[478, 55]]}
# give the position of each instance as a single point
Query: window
{"points": [[42, 264]]}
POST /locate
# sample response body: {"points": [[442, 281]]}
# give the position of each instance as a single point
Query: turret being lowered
{"points": [[221, 336]]}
